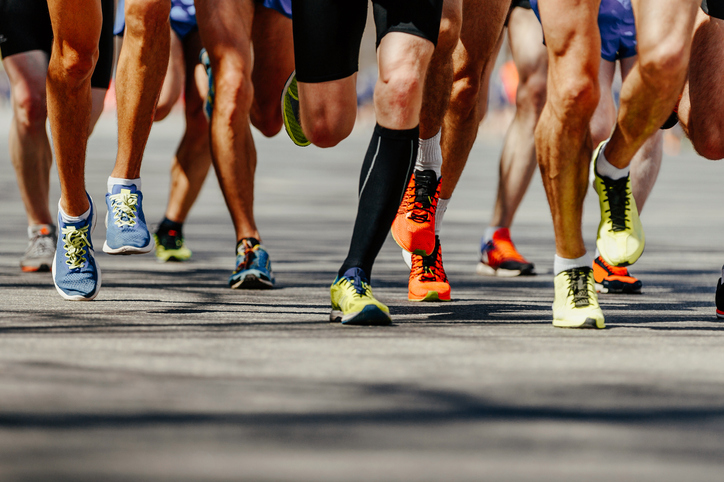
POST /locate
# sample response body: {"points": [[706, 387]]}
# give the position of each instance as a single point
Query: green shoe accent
{"points": [[620, 238], [165, 254], [290, 112], [353, 302]]}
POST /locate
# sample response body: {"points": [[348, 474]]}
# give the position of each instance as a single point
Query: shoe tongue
{"points": [[357, 275], [246, 244], [117, 188]]}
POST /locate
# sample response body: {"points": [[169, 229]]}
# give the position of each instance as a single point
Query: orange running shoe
{"points": [[498, 257], [414, 225], [428, 281], [614, 279]]}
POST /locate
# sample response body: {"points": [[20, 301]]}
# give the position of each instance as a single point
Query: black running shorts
{"points": [[521, 4], [328, 33], [25, 26], [714, 8]]}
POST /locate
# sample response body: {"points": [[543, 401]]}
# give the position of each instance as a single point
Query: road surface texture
{"points": [[170, 376]]}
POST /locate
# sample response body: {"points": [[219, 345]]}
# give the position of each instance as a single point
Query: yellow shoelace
{"points": [[124, 208], [75, 242]]}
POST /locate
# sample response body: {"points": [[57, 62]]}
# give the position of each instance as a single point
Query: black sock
{"points": [[168, 225], [385, 173]]}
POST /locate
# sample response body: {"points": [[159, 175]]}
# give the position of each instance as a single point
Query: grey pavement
{"points": [[169, 375]]}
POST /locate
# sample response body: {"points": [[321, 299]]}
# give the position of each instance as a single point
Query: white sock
{"points": [[429, 155], [489, 231], [440, 213], [112, 181], [606, 169], [73, 219], [563, 264]]}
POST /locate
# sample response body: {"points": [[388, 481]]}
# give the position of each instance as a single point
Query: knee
{"points": [[266, 116], [709, 143], [531, 96], [323, 133], [664, 65], [234, 91], [464, 94], [400, 87], [144, 16], [575, 97], [30, 109]]}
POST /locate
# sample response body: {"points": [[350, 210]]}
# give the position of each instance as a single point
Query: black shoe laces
{"points": [[431, 266], [578, 286], [425, 189], [616, 192]]}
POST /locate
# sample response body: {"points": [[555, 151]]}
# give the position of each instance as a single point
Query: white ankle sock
{"points": [[563, 264], [606, 169], [73, 219], [440, 213], [112, 181], [489, 231], [429, 155]]}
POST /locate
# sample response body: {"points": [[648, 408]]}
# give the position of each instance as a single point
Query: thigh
{"points": [[27, 72], [77, 24], [525, 38], [273, 55], [327, 36], [225, 27], [483, 22], [663, 25]]}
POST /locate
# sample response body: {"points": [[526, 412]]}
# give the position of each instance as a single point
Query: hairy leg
{"points": [[226, 30], [77, 29], [517, 161], [141, 69], [481, 29], [29, 147], [174, 80], [193, 156], [562, 136], [701, 110], [664, 32]]}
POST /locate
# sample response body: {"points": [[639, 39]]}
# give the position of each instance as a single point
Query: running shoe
{"points": [[428, 281], [414, 225], [353, 302], [614, 279], [126, 230], [76, 275], [620, 239], [498, 257], [290, 112], [253, 267], [720, 298], [170, 246], [211, 93], [41, 248], [575, 304]]}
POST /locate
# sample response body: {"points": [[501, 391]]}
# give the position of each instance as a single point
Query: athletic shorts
{"points": [[713, 8], [183, 18], [617, 27], [25, 26], [328, 33], [521, 4]]}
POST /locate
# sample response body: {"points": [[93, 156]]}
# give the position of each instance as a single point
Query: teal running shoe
{"points": [[253, 267]]}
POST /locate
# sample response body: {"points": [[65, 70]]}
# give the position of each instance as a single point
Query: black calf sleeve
{"points": [[385, 173]]}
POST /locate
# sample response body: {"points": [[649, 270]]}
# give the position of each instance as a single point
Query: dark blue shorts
{"points": [[617, 27], [183, 18], [282, 6]]}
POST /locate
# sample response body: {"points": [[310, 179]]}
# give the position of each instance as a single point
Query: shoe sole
{"points": [[623, 289], [252, 281], [720, 314], [588, 323], [287, 127], [126, 250], [486, 270], [419, 252], [430, 296], [43, 268], [370, 315]]}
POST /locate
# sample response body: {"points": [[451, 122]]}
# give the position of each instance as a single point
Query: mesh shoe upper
{"points": [[428, 280], [252, 260], [500, 254], [41, 248], [125, 223], [575, 304], [353, 302]]}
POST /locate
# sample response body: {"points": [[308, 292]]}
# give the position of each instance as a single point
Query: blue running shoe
{"points": [[253, 267], [126, 230], [76, 275], [206, 62]]}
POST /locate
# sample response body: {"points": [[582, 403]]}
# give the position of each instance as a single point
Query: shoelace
{"points": [[74, 242], [429, 268], [424, 189], [578, 286], [618, 201], [124, 208]]}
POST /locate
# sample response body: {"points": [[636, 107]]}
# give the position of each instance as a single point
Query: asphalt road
{"points": [[169, 375]]}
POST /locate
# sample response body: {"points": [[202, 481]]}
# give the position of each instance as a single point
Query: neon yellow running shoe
{"points": [[171, 247], [575, 304], [353, 303], [620, 238], [290, 112]]}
